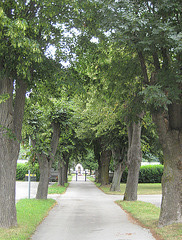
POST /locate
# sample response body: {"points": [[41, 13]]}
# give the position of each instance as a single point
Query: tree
{"points": [[134, 160], [66, 145], [43, 128], [15, 46], [119, 155]]}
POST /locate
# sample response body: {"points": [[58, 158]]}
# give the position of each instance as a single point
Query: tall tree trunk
{"points": [[63, 171], [11, 117], [120, 165], [45, 162], [105, 162], [99, 171], [44, 166], [66, 168], [170, 136], [60, 173], [97, 152], [134, 161]]}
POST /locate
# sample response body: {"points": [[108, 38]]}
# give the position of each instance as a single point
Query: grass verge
{"points": [[30, 213], [143, 188], [55, 189], [147, 215]]}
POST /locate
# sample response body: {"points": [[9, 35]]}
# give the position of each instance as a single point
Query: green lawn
{"points": [[148, 214], [143, 188], [55, 189], [30, 213]]}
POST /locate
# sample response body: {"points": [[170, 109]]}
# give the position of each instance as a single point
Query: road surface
{"points": [[84, 212]]}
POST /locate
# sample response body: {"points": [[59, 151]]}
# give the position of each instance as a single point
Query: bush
{"points": [[148, 174], [22, 169], [151, 174]]}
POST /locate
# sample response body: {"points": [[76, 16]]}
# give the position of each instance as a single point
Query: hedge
{"points": [[22, 169], [148, 174]]}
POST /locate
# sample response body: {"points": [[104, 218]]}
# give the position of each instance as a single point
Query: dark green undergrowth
{"points": [[30, 213], [147, 215]]}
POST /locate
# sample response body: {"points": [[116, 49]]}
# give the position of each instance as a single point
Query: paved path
{"points": [[86, 213], [22, 189], [22, 192]]}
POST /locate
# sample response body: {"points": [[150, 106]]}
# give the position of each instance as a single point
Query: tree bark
{"points": [[99, 170], [105, 162], [134, 161], [63, 171], [170, 136], [11, 117], [44, 166], [45, 163], [120, 165], [60, 173], [97, 152]]}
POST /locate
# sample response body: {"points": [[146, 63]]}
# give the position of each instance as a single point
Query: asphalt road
{"points": [[84, 212]]}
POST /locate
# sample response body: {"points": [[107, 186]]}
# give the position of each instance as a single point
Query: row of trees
{"points": [[150, 32], [124, 72]]}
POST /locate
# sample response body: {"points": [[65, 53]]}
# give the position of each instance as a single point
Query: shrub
{"points": [[22, 169], [148, 174], [151, 174]]}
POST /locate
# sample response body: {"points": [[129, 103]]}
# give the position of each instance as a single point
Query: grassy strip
{"points": [[55, 189], [143, 188], [147, 215], [30, 213]]}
